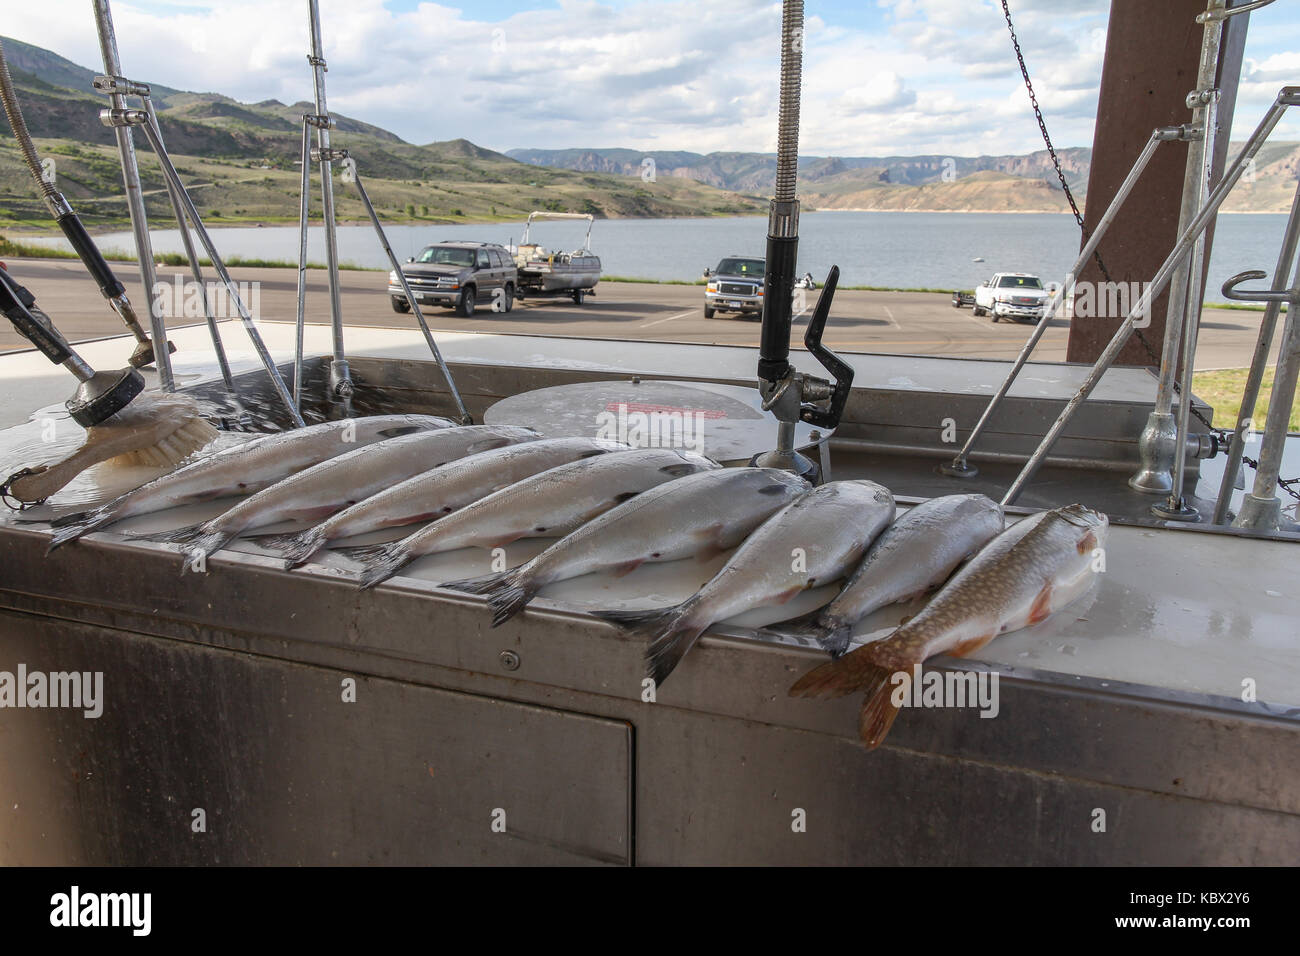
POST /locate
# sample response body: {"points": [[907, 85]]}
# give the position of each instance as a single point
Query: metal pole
{"points": [[1261, 509], [1250, 396], [340, 379], [410, 297], [1288, 96], [303, 203], [135, 199], [140, 118], [960, 467], [195, 271], [1175, 508]]}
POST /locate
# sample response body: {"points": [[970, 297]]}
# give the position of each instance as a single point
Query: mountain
{"points": [[240, 161], [1007, 183]]}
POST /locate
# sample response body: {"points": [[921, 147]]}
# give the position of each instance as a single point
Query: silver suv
{"points": [[458, 275], [736, 285]]}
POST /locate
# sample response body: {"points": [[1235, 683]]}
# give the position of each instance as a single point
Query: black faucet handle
{"points": [[841, 371]]}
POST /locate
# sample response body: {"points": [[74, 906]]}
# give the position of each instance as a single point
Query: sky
{"points": [[881, 77]]}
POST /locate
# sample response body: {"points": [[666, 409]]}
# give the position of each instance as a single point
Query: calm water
{"points": [[899, 250]]}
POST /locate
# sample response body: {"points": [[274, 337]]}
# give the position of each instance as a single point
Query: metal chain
{"points": [[1221, 434]]}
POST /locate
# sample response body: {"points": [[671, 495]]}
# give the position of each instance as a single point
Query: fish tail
{"points": [[852, 672], [831, 635], [73, 526], [190, 532], [296, 548], [878, 714], [671, 632], [202, 544], [507, 592], [380, 562], [856, 672]]}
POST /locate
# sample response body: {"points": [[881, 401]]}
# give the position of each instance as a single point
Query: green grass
{"points": [[25, 250], [1221, 389]]}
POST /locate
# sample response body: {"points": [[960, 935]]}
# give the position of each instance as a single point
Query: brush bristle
{"points": [[192, 435]]}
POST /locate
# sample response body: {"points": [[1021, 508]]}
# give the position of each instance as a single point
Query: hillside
{"points": [[240, 161], [1009, 183]]}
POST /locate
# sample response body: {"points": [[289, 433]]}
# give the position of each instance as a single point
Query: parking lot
{"points": [[898, 322]]}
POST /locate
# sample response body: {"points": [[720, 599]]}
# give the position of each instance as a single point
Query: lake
{"points": [[892, 249]]}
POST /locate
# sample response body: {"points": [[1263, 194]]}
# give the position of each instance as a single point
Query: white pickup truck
{"points": [[1011, 295]]}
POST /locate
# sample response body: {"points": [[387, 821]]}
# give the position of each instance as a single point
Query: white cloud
{"points": [[940, 77]]}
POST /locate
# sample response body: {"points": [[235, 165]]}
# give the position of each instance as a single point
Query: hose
{"points": [[787, 142]]}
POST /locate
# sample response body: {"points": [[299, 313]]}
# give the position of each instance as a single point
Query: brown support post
{"points": [[1152, 51]]}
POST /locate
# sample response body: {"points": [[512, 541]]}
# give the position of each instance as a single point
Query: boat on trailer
{"points": [[545, 271]]}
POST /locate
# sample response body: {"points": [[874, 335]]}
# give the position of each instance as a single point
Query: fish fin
{"points": [[298, 548], [183, 535], [627, 567], [1042, 608], [671, 633], [1087, 543], [379, 562], [852, 672], [73, 526], [877, 716], [831, 637], [204, 543], [679, 469], [971, 645], [506, 595]]}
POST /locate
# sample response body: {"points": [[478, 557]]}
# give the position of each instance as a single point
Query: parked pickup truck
{"points": [[1011, 295], [460, 276], [736, 285]]}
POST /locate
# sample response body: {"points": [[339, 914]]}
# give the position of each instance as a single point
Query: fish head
{"points": [[1092, 524]]}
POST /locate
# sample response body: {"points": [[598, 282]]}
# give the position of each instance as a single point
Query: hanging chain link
{"points": [[1221, 435]]}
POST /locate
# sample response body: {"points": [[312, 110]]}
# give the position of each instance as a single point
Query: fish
{"points": [[814, 540], [244, 469], [914, 555], [1023, 576], [550, 504], [433, 494], [700, 515], [342, 481]]}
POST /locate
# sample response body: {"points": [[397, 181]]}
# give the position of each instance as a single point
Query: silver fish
{"points": [[325, 488], [916, 553], [812, 541], [551, 504], [1028, 572], [246, 468], [442, 491], [697, 516]]}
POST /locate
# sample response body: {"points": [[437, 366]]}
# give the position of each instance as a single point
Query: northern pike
{"points": [[245, 469], [1028, 572], [433, 494], [344, 480], [699, 516], [915, 554], [812, 541], [551, 504]]}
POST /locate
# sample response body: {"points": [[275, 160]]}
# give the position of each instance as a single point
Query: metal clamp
{"points": [[123, 117], [331, 154], [317, 61], [120, 86], [319, 121]]}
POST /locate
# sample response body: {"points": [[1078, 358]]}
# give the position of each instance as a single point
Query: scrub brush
{"points": [[157, 430]]}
